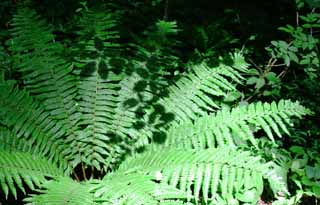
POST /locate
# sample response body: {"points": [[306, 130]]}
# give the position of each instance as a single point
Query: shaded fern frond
{"points": [[108, 118], [98, 27], [63, 191], [97, 38], [98, 99], [231, 127], [30, 33], [206, 173], [191, 96], [26, 118], [18, 169], [10, 142], [135, 189]]}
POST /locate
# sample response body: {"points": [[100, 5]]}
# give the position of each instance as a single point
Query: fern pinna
{"points": [[63, 115]]}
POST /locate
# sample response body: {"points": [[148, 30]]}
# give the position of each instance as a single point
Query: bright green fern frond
{"points": [[18, 169], [63, 191], [191, 96], [231, 127], [46, 75], [27, 119], [135, 189], [206, 173]]}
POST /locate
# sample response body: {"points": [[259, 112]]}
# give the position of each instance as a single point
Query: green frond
{"points": [[125, 113], [26, 118], [63, 191], [98, 26], [98, 98], [10, 142], [208, 173], [97, 38], [232, 127], [191, 96], [44, 72], [108, 118], [18, 169], [30, 33], [166, 28], [135, 189]]}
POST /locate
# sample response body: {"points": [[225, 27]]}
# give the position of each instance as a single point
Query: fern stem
{"points": [[83, 172], [75, 175]]}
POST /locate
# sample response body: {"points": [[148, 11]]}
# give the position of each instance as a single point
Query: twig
{"points": [[75, 175], [255, 65]]}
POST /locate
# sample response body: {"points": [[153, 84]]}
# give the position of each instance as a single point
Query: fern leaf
{"points": [[97, 30], [97, 103], [227, 127], [63, 191], [18, 169], [135, 189], [108, 118], [46, 75], [191, 96], [27, 119], [10, 142], [206, 173]]}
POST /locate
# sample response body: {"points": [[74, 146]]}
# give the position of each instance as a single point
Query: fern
{"points": [[45, 74], [210, 172], [18, 169], [233, 127], [61, 116], [135, 189], [10, 142], [191, 96], [97, 30], [63, 191], [28, 119]]}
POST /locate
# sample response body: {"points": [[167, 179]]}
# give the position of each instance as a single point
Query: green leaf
{"points": [[272, 78], [316, 190], [252, 80], [260, 83]]}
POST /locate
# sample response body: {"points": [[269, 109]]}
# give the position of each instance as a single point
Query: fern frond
{"points": [[98, 27], [46, 75], [107, 117], [26, 118], [30, 33], [97, 97], [166, 28], [10, 142], [18, 169], [63, 191], [231, 127], [191, 96], [135, 189], [206, 173]]}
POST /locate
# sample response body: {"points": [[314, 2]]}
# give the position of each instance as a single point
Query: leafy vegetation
{"points": [[123, 102]]}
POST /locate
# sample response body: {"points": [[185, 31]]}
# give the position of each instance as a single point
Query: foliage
{"points": [[107, 117]]}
